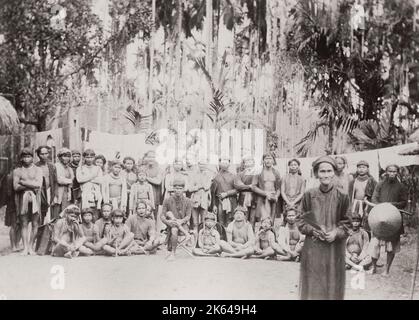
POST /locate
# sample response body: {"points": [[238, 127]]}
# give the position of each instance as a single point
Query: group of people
{"points": [[100, 207]]}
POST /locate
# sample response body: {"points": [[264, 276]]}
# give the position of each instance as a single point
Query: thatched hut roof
{"points": [[9, 120]]}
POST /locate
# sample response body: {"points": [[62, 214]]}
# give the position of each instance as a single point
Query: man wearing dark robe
{"points": [[74, 164], [324, 221], [223, 193]]}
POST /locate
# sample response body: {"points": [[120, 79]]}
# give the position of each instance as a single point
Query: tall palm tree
{"points": [[319, 47]]}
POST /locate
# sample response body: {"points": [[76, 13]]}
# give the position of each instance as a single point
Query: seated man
{"points": [[265, 244], [144, 230], [119, 238], [93, 243], [357, 256], [240, 237], [68, 235], [208, 238], [105, 219], [290, 238], [181, 208]]}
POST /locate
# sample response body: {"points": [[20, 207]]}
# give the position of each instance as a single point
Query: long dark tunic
{"points": [[322, 269]]}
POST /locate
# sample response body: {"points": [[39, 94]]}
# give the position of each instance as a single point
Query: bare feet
{"points": [[224, 255], [171, 257], [386, 273], [75, 254], [372, 271], [32, 253], [68, 255], [25, 252]]}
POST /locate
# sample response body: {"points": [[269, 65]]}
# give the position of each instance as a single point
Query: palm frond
{"points": [[138, 120]]}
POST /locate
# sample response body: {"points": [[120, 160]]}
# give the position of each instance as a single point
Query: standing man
{"points": [[74, 164], [223, 193], [181, 208], [49, 183], [199, 187], [65, 177], [90, 178], [267, 186], [155, 178], [243, 184], [342, 179], [325, 223], [393, 191], [27, 184]]}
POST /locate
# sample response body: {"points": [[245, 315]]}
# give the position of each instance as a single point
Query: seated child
{"points": [[105, 218], [68, 236], [119, 238], [208, 238], [240, 237], [93, 243], [265, 244], [290, 239]]}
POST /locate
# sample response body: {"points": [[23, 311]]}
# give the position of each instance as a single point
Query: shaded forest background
{"points": [[319, 76]]}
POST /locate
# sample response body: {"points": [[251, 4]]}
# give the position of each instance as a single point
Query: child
{"points": [[290, 238], [208, 238], [265, 245], [100, 161], [141, 190], [68, 235], [357, 256], [105, 218], [240, 237], [119, 238], [91, 233], [144, 230], [114, 187]]}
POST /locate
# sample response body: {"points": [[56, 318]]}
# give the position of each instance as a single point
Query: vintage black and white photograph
{"points": [[209, 150]]}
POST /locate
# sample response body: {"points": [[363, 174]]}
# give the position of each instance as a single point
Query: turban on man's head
{"points": [[323, 159]]}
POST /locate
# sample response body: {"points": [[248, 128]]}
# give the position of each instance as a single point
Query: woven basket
{"points": [[385, 221]]}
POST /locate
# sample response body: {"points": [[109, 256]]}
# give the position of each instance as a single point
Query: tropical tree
{"points": [[8, 117], [352, 69], [45, 45]]}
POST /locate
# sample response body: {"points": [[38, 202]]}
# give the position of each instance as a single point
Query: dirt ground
{"points": [[152, 277]]}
